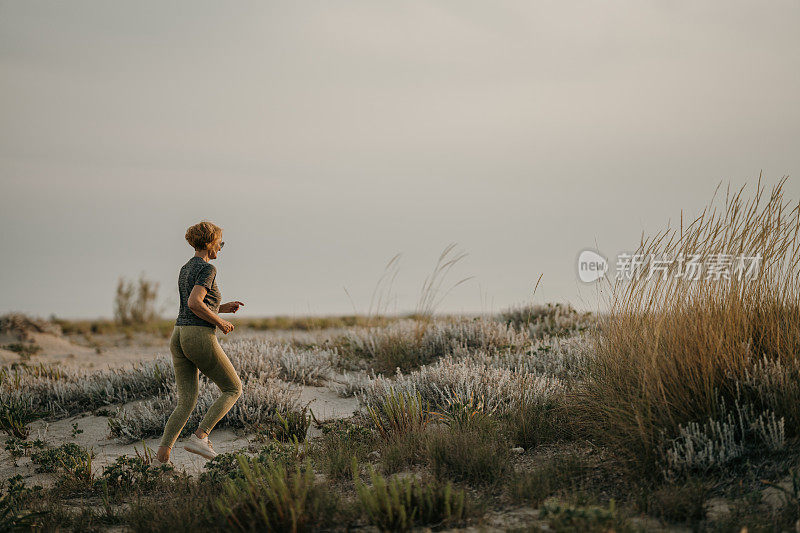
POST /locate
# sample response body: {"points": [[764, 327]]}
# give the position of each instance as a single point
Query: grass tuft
{"points": [[271, 498], [402, 503], [398, 413]]}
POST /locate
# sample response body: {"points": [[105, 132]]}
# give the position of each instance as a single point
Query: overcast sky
{"points": [[327, 136]]}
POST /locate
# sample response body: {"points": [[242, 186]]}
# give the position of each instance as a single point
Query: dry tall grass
{"points": [[676, 351]]}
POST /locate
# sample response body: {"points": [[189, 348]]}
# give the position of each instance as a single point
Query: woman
{"points": [[194, 344]]}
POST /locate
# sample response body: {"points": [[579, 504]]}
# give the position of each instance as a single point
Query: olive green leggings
{"points": [[196, 349]]}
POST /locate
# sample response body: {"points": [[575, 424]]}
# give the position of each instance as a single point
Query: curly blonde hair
{"points": [[202, 234]]}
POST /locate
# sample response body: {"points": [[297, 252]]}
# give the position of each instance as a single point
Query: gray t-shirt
{"points": [[197, 271]]}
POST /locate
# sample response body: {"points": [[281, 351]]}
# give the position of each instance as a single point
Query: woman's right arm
{"points": [[199, 307]]}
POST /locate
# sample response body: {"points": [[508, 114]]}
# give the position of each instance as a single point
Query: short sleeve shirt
{"points": [[197, 271]]}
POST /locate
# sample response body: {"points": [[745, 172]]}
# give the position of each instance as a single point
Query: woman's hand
{"points": [[199, 308], [230, 307]]}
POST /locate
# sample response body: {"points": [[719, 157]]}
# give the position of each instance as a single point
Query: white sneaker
{"points": [[200, 446]]}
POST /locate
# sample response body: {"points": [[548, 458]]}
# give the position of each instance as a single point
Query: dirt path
{"points": [[95, 435]]}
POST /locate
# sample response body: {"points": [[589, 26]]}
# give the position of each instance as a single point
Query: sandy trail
{"points": [[95, 435]]}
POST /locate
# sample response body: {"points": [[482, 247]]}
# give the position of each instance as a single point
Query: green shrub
{"points": [[68, 457], [223, 467], [341, 440], [404, 450], [287, 427], [400, 504], [478, 455], [227, 466], [399, 412], [14, 496], [463, 414], [346, 428], [129, 473], [292, 426], [71, 462], [269, 498], [15, 414], [18, 448]]}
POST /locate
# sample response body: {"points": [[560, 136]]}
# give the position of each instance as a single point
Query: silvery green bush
{"points": [[430, 341], [566, 358], [73, 390], [69, 390], [448, 380], [261, 399], [278, 359], [737, 431], [551, 319]]}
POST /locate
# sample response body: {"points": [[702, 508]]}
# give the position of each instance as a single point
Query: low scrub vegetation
{"points": [[550, 319], [408, 344]]}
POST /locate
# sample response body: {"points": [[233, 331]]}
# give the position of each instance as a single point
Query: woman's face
{"points": [[215, 247]]}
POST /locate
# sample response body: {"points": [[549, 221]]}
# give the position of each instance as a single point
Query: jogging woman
{"points": [[194, 344]]}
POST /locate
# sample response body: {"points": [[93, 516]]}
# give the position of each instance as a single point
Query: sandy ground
{"points": [[323, 401]]}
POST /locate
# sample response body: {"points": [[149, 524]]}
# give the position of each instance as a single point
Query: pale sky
{"points": [[327, 136]]}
